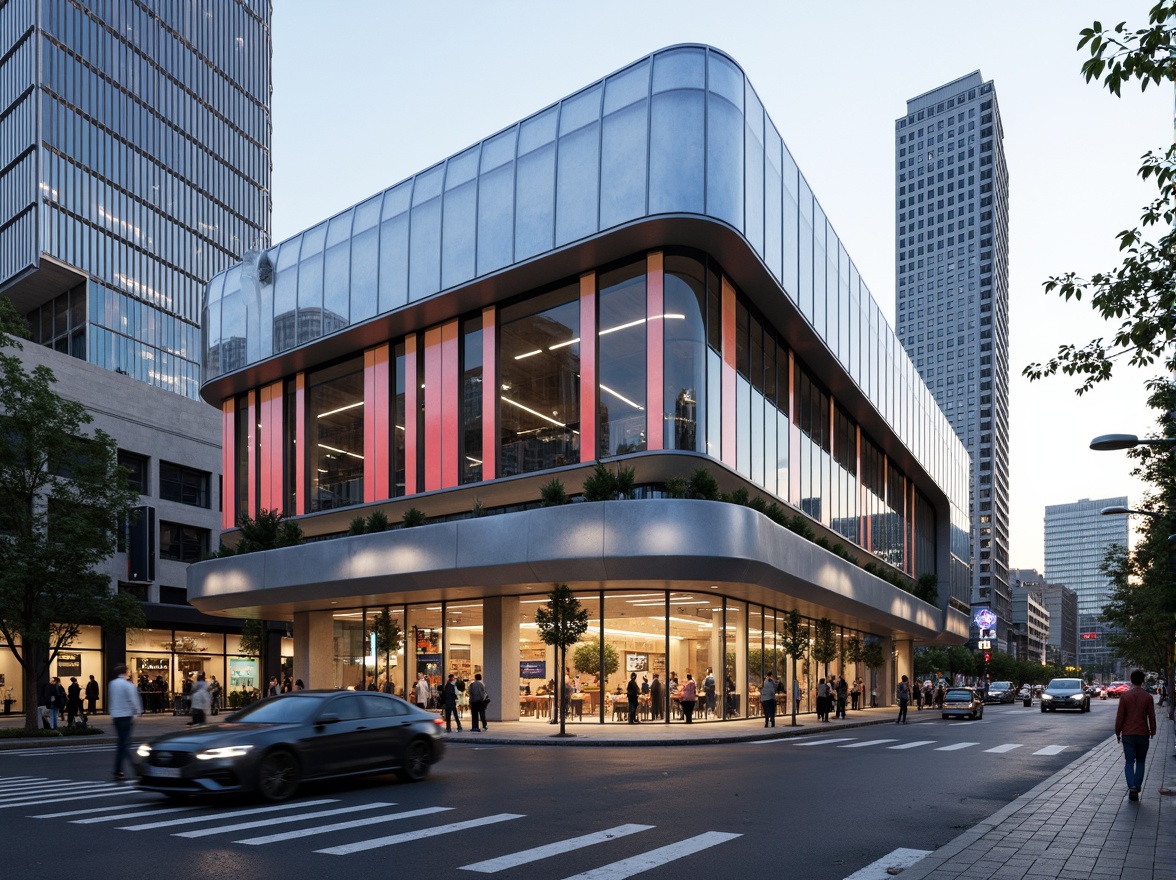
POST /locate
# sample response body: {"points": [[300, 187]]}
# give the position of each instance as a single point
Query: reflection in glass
{"points": [[684, 327], [621, 360], [335, 435]]}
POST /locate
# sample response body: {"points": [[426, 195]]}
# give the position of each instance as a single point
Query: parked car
{"points": [[1117, 688], [1000, 692], [963, 702], [1065, 693], [272, 746]]}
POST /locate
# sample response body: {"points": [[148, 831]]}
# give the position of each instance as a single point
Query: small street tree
{"points": [[873, 656], [388, 639], [794, 642], [62, 497], [824, 645], [561, 622]]}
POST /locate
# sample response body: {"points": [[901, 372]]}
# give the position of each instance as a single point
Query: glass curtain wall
{"points": [[470, 465], [425, 638], [685, 401], [334, 433], [539, 382], [621, 360]]}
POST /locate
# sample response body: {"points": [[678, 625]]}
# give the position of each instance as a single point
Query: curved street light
{"points": [[1111, 442]]}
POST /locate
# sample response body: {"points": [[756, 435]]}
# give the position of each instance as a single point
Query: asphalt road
{"points": [[814, 807]]}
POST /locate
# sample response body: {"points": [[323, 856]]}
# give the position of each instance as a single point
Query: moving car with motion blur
{"points": [[963, 702], [1065, 693], [1118, 688], [274, 745]]}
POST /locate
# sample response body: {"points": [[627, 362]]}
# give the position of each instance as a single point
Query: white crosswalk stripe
{"points": [[955, 747], [58, 750], [870, 742], [54, 799], [823, 742], [1006, 747], [122, 817], [393, 840], [342, 826], [87, 812], [526, 856], [231, 814], [656, 857], [914, 745], [1050, 750], [284, 820]]}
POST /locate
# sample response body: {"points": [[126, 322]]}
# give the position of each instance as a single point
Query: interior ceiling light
{"points": [[340, 409], [533, 412], [622, 397], [562, 344], [341, 451], [527, 354]]}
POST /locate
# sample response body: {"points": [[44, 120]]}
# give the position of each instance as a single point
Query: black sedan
{"points": [[1065, 693], [274, 745]]}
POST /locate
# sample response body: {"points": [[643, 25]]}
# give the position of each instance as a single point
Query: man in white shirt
{"points": [[122, 698]]}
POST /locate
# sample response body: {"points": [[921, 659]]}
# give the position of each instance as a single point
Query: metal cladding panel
{"points": [[571, 540]]}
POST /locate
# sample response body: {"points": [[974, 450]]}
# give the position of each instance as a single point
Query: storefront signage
{"points": [[243, 672], [429, 664], [636, 662], [69, 664], [984, 618], [533, 669]]}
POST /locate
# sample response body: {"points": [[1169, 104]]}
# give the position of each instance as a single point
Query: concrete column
{"points": [[904, 663], [314, 649], [500, 646]]}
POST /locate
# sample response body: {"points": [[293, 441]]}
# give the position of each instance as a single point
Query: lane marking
{"points": [[87, 812], [281, 820], [526, 856], [822, 742], [955, 747], [136, 815], [899, 858], [232, 814], [33, 802], [871, 742], [656, 857], [45, 790], [363, 845], [343, 826], [1007, 747], [1050, 750], [915, 744]]}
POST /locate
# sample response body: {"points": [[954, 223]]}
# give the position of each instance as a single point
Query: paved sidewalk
{"points": [[1077, 825]]}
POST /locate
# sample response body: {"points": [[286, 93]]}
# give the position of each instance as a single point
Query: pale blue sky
{"points": [[368, 92]]}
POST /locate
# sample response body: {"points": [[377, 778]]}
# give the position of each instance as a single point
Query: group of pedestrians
{"points": [[832, 696], [456, 695]]}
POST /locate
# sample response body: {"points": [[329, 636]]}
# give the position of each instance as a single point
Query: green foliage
{"points": [[48, 585], [388, 638], [377, 521], [241, 698], [794, 639], [676, 487], [413, 518], [12, 325], [824, 645], [605, 485], [253, 638], [740, 496], [703, 486], [553, 494], [357, 526], [851, 650], [800, 525], [477, 510], [927, 588], [268, 532], [1140, 293], [561, 623], [873, 655], [586, 658]]}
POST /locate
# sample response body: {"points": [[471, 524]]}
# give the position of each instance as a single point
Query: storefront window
{"points": [[539, 382], [621, 360], [351, 648], [335, 435], [634, 642], [424, 637]]}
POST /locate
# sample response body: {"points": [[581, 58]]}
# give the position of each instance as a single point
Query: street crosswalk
{"points": [[314, 821], [852, 742]]}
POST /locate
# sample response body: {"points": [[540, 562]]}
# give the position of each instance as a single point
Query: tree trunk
{"points": [[34, 669]]}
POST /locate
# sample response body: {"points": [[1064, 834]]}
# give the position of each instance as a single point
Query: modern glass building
{"points": [[135, 165], [135, 142], [1077, 538], [951, 203], [637, 275]]}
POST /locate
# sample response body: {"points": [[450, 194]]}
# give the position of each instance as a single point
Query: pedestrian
{"points": [[463, 699], [201, 701], [795, 695], [873, 696], [854, 693], [633, 694], [91, 696], [708, 690], [123, 703], [688, 696], [421, 691], [73, 702], [729, 699], [1135, 724], [842, 695], [904, 697], [53, 698], [478, 700], [449, 702], [298, 685], [822, 700], [768, 700], [274, 688], [287, 685], [656, 699]]}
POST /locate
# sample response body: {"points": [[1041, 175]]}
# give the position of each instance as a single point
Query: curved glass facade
{"points": [[679, 132]]}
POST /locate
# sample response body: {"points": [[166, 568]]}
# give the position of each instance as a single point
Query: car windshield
{"points": [[1065, 684], [291, 710], [1000, 686], [958, 696]]}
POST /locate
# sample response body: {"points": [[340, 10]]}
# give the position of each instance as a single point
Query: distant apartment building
{"points": [[951, 249], [1062, 604], [1030, 625], [134, 165], [1077, 538]]}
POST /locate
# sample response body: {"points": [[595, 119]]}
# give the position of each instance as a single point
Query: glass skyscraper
{"points": [[136, 153], [1077, 538], [951, 227]]}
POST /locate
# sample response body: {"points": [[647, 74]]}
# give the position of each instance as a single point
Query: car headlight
{"points": [[222, 752], [1047, 696], [143, 751]]}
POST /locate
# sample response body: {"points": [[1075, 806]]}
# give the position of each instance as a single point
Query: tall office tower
{"points": [[135, 157], [1061, 603], [134, 165], [1077, 538], [952, 244]]}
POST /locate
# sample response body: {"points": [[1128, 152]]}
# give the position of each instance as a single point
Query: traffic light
{"points": [[987, 656]]}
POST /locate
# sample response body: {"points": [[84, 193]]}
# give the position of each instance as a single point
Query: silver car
{"points": [[1065, 693], [963, 702]]}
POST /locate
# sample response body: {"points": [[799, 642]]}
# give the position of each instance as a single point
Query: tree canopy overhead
{"points": [[1139, 293]]}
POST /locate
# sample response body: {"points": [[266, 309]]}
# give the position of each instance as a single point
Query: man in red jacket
{"points": [[1135, 724]]}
